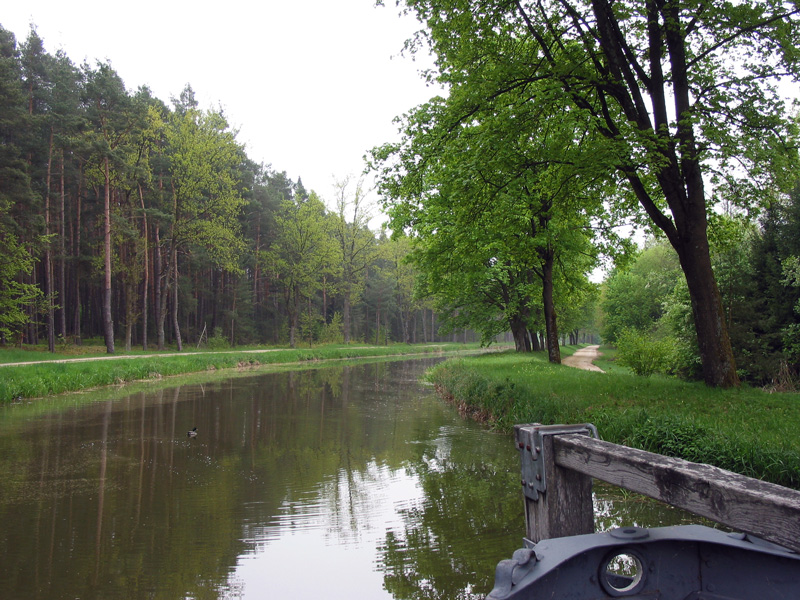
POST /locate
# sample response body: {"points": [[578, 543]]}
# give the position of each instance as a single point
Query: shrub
{"points": [[644, 355], [333, 332], [218, 341]]}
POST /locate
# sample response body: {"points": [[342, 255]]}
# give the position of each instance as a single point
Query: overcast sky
{"points": [[310, 84]]}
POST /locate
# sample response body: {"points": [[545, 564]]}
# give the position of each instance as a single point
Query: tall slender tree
{"points": [[356, 244], [206, 200]]}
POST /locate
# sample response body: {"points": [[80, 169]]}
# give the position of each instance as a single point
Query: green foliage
{"points": [[689, 97], [218, 341], [499, 237], [763, 298], [310, 327], [332, 333], [203, 158], [17, 299], [635, 297], [644, 355]]}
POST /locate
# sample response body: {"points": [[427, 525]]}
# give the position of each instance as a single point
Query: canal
{"points": [[339, 482]]}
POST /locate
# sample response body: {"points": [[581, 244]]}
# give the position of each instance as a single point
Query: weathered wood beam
{"points": [[560, 506], [766, 510]]}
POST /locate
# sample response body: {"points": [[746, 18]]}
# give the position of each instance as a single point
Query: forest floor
{"points": [[583, 359]]}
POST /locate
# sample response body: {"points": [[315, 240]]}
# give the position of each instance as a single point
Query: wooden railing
{"points": [[558, 464]]}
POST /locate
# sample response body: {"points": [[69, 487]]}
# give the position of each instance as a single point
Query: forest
{"points": [[125, 218], [146, 224]]}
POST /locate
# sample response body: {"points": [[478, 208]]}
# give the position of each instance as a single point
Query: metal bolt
{"points": [[538, 449], [538, 477]]}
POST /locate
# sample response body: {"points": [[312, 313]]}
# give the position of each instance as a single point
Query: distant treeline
{"points": [[126, 218]]}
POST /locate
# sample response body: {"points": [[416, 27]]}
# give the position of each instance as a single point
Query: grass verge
{"points": [[77, 374], [745, 430]]}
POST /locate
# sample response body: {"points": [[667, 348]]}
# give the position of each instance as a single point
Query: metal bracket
{"points": [[530, 444]]}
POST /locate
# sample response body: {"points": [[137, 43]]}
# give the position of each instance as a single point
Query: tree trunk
{"points": [[520, 333], [48, 255], [346, 314], [146, 267], [535, 345], [175, 323], [716, 354], [293, 310], [108, 323], [62, 268], [159, 290], [76, 323], [547, 256]]}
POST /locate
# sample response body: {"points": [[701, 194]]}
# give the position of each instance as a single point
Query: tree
{"points": [[679, 89], [110, 111], [206, 202], [495, 209], [634, 297], [396, 252], [16, 296], [356, 245], [302, 250]]}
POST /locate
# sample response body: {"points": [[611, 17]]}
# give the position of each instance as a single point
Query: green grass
{"points": [[48, 378], [744, 430]]}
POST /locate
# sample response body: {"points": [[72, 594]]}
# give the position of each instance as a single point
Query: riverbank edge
{"points": [[37, 379], [662, 415]]}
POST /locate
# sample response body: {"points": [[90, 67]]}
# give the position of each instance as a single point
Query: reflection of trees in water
{"points": [[470, 493], [615, 507], [176, 513]]}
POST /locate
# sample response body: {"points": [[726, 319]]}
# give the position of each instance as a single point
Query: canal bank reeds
{"points": [[56, 375], [745, 430]]}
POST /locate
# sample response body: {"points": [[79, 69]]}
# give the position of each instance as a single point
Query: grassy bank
{"points": [[81, 373], [744, 430]]}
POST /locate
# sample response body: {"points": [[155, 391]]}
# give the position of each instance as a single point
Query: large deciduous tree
{"points": [[682, 90], [497, 211], [206, 201]]}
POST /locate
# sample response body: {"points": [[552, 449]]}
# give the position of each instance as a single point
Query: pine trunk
{"points": [[108, 323], [48, 255], [62, 263]]}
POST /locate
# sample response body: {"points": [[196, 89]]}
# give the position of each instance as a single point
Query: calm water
{"points": [[343, 482]]}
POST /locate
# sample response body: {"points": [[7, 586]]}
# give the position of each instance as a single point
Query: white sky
{"points": [[311, 85]]}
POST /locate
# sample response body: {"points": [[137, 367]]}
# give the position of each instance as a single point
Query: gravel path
{"points": [[582, 359]]}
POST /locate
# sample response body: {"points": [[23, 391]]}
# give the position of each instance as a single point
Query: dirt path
{"points": [[582, 359]]}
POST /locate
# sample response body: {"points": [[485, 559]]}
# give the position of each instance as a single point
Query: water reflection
{"points": [[345, 482]]}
